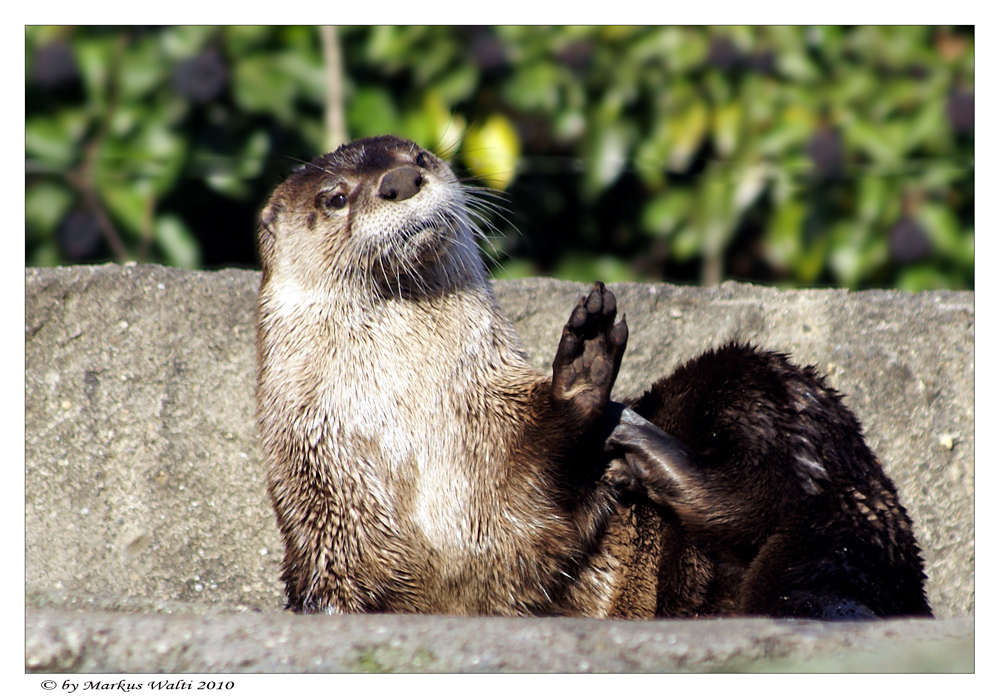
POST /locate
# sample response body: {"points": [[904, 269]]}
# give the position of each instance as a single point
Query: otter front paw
{"points": [[589, 355]]}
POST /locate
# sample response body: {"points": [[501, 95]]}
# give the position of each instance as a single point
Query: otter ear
{"points": [[265, 234], [267, 220]]}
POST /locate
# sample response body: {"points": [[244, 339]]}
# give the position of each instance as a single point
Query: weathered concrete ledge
{"points": [[146, 515], [100, 642]]}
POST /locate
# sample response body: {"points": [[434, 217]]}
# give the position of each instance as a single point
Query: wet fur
{"points": [[776, 487], [417, 463]]}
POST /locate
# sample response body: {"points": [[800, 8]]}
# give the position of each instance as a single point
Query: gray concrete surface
{"points": [[145, 506], [102, 642]]}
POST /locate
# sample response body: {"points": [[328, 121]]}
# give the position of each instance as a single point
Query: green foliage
{"points": [[789, 155]]}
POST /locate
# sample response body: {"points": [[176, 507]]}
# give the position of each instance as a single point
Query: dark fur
{"points": [[775, 486]]}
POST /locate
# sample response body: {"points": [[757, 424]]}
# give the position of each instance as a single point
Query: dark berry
{"points": [[54, 66], [763, 63], [826, 150], [488, 52], [962, 112], [79, 235], [201, 79], [908, 241], [723, 54], [577, 55], [918, 72]]}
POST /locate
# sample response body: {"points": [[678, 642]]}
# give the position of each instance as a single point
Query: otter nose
{"points": [[401, 183]]}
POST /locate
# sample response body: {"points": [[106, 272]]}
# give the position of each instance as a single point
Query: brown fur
{"points": [[417, 462]]}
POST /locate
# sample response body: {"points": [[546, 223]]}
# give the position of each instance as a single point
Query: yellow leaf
{"points": [[687, 130], [492, 150], [727, 122]]}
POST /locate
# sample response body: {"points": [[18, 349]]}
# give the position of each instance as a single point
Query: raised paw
{"points": [[589, 355]]}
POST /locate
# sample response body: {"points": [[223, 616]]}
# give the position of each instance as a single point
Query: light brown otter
{"points": [[417, 462]]}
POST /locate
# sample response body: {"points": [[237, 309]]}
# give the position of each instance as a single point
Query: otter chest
{"points": [[395, 406]]}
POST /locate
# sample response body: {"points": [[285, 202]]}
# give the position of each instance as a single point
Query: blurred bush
{"points": [[789, 155]]}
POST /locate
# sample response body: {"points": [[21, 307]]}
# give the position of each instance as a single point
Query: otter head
{"points": [[378, 213]]}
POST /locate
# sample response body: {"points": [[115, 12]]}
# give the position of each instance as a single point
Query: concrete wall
{"points": [[144, 484]]}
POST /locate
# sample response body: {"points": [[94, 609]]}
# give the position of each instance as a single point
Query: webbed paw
{"points": [[589, 354]]}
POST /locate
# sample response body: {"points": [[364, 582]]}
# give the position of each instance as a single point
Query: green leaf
{"points": [[372, 112], [261, 86], [159, 154], [883, 144], [55, 139], [787, 136], [232, 176], [606, 156], [687, 129], [585, 268], [515, 269], [241, 40], [684, 47], [45, 205], [783, 242], [534, 88], [569, 125], [434, 60], [751, 181], [179, 246], [420, 127], [727, 123], [928, 129], [306, 73], [811, 260], [434, 126], [795, 65], [254, 153], [141, 71], [128, 201], [856, 252], [686, 242], [390, 45], [664, 213], [457, 84], [943, 229], [854, 87], [185, 40], [873, 193], [922, 278], [46, 255], [95, 57]]}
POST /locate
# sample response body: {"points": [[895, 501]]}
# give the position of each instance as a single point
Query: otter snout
{"points": [[400, 184]]}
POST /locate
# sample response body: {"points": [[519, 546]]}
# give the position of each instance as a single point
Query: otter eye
{"points": [[422, 160], [337, 201]]}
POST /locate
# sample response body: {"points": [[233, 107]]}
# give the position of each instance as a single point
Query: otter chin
{"points": [[418, 463]]}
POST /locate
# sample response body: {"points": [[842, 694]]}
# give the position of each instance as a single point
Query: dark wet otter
{"points": [[419, 464], [769, 474]]}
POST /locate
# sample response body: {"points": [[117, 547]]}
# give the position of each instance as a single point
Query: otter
{"points": [[769, 473], [418, 463]]}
